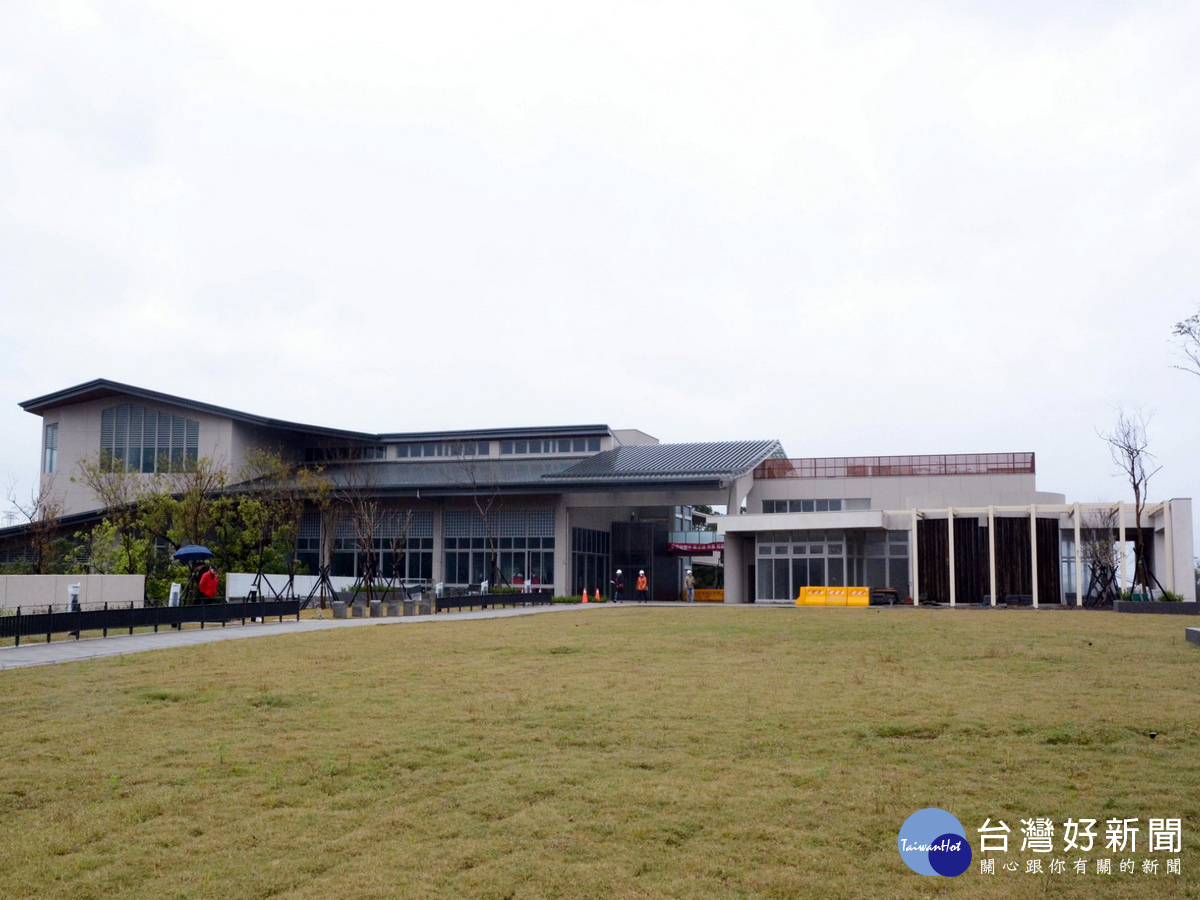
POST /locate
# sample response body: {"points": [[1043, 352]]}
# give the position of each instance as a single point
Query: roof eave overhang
{"points": [[102, 388], [549, 487]]}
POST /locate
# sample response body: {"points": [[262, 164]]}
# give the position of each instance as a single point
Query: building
{"points": [[567, 505], [966, 528]]}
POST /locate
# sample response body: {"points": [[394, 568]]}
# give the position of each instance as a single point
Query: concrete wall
{"points": [[632, 437], [245, 437], [1183, 573], [45, 590], [905, 492], [79, 439]]}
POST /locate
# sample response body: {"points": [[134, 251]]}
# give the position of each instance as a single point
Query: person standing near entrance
{"points": [[689, 585], [618, 584], [641, 586]]}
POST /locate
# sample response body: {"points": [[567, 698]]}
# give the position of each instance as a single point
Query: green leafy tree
{"points": [[119, 493]]}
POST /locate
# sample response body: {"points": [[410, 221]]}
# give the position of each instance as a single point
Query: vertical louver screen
{"points": [[139, 439]]}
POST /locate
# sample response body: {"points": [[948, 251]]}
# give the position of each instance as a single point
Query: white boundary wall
{"points": [[45, 590]]}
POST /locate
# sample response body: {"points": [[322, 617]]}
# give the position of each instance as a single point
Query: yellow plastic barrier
{"points": [[710, 595], [815, 595], [811, 596], [858, 596]]}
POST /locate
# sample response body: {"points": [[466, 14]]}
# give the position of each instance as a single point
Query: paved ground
{"points": [[92, 648]]}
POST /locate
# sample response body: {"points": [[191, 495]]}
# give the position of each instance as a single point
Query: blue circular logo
{"points": [[933, 842]]}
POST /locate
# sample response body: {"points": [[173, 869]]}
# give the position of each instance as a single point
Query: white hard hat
{"points": [[618, 571], [641, 571], [689, 571]]}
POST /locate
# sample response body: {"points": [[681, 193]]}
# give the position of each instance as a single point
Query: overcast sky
{"points": [[852, 226]]}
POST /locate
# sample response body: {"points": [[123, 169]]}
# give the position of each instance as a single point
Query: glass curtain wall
{"points": [[413, 555], [590, 561], [790, 560], [524, 545]]}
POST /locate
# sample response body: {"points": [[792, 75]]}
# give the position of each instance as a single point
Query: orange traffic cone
{"points": [[584, 600], [597, 595]]}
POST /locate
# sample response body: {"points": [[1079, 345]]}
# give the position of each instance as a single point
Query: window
{"points": [[139, 439], [401, 547], [443, 448], [805, 506], [524, 546], [343, 454], [546, 445], [51, 465]]}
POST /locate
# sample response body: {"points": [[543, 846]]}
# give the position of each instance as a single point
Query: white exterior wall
{"points": [[245, 437], [906, 492], [28, 591], [631, 437], [1182, 573], [79, 439]]}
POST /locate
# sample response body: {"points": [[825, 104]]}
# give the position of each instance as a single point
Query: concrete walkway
{"points": [[94, 648]]}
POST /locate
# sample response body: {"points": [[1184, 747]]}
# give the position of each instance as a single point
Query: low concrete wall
{"points": [[46, 590], [1158, 607]]}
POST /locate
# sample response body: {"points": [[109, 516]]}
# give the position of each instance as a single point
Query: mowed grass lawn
{"points": [[606, 752]]}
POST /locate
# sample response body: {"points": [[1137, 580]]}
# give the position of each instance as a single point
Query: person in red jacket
{"points": [[642, 595], [208, 584]]}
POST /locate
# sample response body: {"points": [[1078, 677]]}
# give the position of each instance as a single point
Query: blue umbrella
{"points": [[192, 553]]}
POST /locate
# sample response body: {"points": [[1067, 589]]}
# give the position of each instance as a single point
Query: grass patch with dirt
{"points": [[614, 752]]}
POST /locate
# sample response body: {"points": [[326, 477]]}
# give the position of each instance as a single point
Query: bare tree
{"points": [[399, 524], [487, 500], [1189, 330], [359, 492], [42, 512], [1129, 447], [1097, 584], [318, 490]]}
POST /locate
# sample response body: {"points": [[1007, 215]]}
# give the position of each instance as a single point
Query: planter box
{"points": [[339, 609], [376, 609], [393, 608], [1171, 608], [410, 607], [1193, 635]]}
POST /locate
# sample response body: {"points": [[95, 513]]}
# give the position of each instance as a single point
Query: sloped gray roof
{"points": [[666, 462], [663, 464], [102, 388]]}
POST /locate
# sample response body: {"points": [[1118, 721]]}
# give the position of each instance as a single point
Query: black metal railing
{"points": [[491, 601], [31, 621]]}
